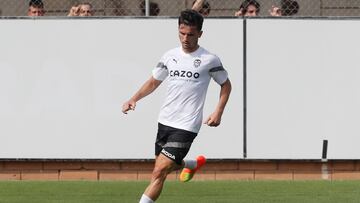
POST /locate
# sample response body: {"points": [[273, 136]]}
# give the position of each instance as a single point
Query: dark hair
{"points": [[244, 6], [289, 7], [205, 9], [36, 3], [191, 18], [154, 8]]}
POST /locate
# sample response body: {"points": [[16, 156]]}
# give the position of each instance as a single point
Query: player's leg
{"points": [[176, 147], [163, 166], [171, 147]]}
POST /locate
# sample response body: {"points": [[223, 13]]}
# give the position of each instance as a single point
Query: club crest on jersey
{"points": [[197, 63]]}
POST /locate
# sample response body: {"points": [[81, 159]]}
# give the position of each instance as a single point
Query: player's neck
{"points": [[189, 51]]}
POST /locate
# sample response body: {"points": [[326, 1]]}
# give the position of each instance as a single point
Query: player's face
{"points": [[35, 11], [189, 36]]}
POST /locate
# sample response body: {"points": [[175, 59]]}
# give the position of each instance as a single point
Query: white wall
{"points": [[62, 84], [303, 87]]}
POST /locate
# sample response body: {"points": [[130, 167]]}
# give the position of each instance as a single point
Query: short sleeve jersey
{"points": [[188, 77]]}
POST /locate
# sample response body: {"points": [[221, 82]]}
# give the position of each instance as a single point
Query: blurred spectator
{"points": [[201, 6], [86, 9], [275, 11], [36, 8], [154, 9], [248, 8], [74, 10], [288, 8]]}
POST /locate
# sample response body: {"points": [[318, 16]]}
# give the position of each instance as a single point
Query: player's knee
{"points": [[160, 173]]}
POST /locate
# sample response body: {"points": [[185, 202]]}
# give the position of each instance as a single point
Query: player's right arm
{"points": [[147, 88]]}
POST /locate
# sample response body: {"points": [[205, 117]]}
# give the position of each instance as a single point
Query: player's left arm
{"points": [[215, 118]]}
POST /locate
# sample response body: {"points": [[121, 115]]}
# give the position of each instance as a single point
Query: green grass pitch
{"points": [[174, 191]]}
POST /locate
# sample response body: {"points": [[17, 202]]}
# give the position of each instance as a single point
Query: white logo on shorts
{"points": [[168, 154]]}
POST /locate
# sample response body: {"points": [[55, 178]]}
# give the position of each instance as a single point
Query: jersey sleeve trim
{"points": [[216, 69]]}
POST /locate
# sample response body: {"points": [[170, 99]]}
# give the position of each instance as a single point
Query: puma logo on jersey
{"points": [[184, 74], [171, 156]]}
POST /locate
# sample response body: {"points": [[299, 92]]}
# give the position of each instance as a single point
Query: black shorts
{"points": [[174, 143]]}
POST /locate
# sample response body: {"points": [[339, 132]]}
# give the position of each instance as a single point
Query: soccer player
{"points": [[188, 70]]}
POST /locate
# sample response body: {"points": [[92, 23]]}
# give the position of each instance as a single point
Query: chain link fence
{"points": [[173, 7]]}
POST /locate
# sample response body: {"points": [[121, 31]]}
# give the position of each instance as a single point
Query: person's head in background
{"points": [[36, 8], [154, 9], [249, 8], [86, 9], [287, 8]]}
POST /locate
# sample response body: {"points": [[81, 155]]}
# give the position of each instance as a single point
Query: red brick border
{"points": [[129, 170]]}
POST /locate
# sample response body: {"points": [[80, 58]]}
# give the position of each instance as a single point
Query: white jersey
{"points": [[188, 78]]}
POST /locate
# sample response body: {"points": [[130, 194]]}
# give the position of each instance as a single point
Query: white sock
{"points": [[190, 164], [145, 199]]}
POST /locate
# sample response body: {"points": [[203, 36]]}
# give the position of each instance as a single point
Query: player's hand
{"points": [[129, 105], [213, 120]]}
